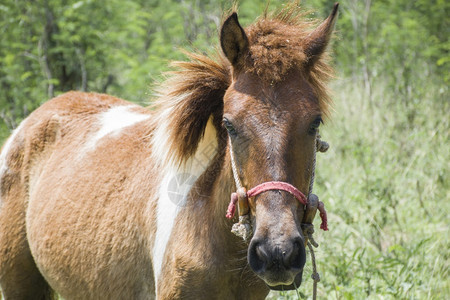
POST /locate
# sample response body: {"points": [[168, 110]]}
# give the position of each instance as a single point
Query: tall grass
{"points": [[385, 184]]}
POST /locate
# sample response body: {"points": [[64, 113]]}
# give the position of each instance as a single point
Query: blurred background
{"points": [[385, 180]]}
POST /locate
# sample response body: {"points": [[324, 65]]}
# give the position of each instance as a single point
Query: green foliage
{"points": [[384, 180]]}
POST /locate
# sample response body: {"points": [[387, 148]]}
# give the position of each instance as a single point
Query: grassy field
{"points": [[385, 184]]}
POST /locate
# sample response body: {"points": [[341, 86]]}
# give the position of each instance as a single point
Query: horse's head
{"points": [[272, 111]]}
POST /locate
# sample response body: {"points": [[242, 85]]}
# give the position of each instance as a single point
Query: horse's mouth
{"points": [[295, 285]]}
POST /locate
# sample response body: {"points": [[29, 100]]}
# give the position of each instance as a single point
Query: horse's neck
{"points": [[217, 185], [207, 233]]}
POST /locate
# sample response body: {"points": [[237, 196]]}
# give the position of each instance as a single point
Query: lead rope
{"points": [[315, 275], [321, 146]]}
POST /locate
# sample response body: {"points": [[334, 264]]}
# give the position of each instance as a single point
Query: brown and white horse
{"points": [[104, 199]]}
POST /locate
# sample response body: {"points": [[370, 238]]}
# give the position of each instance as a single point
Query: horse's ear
{"points": [[317, 41], [233, 40]]}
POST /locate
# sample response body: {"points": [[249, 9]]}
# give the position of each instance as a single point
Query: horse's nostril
{"points": [[295, 257], [257, 256], [261, 253]]}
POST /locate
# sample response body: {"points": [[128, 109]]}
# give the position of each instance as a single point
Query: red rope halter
{"points": [[280, 186]]}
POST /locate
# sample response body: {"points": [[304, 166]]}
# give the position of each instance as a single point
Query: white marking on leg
{"points": [[167, 207], [113, 121]]}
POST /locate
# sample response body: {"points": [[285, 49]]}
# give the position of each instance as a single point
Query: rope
{"points": [[243, 227], [313, 172], [308, 231], [315, 275], [237, 180], [278, 186], [321, 146]]}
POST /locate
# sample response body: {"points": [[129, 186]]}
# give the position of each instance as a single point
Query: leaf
{"points": [[25, 75]]}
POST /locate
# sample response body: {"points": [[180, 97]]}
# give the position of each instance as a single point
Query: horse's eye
{"points": [[228, 126], [315, 125]]}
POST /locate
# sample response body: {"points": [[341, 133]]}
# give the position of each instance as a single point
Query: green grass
{"points": [[385, 184]]}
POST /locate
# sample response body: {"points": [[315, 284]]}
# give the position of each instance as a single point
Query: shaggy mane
{"points": [[186, 101], [194, 91]]}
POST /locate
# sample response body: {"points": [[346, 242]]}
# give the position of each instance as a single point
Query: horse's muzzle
{"points": [[279, 264]]}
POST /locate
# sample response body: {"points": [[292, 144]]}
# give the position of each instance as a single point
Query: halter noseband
{"points": [[242, 196]]}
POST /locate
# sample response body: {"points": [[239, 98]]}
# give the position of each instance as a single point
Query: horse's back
{"points": [[68, 194]]}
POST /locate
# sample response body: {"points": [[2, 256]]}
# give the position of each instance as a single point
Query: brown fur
{"points": [[80, 219]]}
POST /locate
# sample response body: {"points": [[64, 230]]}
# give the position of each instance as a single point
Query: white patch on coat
{"points": [[167, 211], [5, 150], [114, 121], [167, 208]]}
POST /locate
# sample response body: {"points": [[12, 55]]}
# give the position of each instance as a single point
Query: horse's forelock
{"points": [[277, 45]]}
